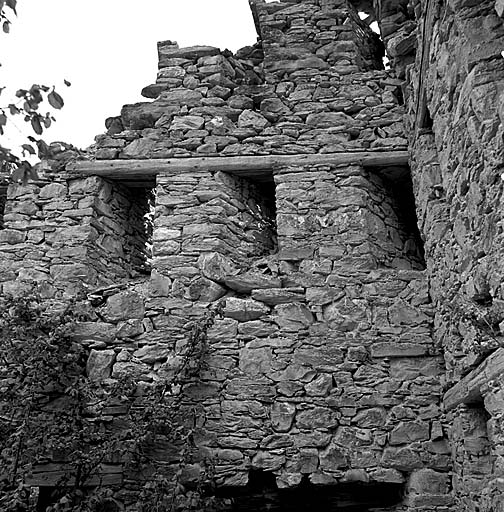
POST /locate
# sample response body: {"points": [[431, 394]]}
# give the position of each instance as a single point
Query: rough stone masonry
{"points": [[349, 218]]}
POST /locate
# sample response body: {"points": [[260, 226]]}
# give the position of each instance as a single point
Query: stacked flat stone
{"points": [[338, 359], [301, 96], [456, 167]]}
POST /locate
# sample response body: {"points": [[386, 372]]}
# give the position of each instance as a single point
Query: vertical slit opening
{"points": [[425, 122], [257, 194], [139, 244], [3, 201], [399, 189], [123, 222]]}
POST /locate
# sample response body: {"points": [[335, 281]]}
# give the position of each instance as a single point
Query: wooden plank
{"points": [[427, 28], [468, 390], [52, 474], [239, 165]]}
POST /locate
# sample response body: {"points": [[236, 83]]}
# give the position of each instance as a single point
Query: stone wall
{"points": [[62, 235], [455, 128], [314, 84], [314, 372], [3, 200], [347, 216], [338, 360]]}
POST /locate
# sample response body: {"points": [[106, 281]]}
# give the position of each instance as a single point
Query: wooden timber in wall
{"points": [[245, 166], [468, 390]]}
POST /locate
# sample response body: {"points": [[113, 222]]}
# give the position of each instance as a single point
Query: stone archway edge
{"points": [[240, 165]]}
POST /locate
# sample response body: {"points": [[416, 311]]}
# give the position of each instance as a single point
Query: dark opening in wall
{"points": [[399, 188], [46, 498], [472, 451], [262, 494], [140, 235], [49, 496], [3, 200], [425, 122], [395, 22], [123, 222], [256, 192]]}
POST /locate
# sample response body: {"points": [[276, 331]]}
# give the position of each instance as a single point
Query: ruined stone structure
{"points": [[349, 218]]}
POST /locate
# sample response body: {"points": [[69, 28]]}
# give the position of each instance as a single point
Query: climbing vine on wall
{"points": [[51, 412]]}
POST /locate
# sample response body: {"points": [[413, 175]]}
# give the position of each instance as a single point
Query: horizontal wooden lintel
{"points": [[469, 389], [240, 165]]}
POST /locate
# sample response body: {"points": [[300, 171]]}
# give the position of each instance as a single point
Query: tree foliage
{"points": [[28, 107], [50, 411]]}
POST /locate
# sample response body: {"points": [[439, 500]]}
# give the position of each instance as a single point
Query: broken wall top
{"points": [[313, 83]]}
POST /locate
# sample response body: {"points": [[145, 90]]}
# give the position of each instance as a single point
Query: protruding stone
{"points": [[428, 481], [170, 51], [251, 119], [268, 461], [244, 310], [276, 296], [254, 361], [409, 432], [216, 266], [282, 416], [152, 353], [318, 417], [99, 364], [245, 283], [332, 458], [90, 332], [124, 306], [187, 123], [293, 317]]}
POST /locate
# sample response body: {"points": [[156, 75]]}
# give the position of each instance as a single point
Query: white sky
{"points": [[107, 50]]}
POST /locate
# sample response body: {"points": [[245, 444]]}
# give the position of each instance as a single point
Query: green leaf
{"points": [[3, 119], [55, 100], [35, 123], [6, 26]]}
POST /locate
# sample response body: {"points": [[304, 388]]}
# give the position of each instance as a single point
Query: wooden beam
{"points": [[468, 390], [54, 474], [239, 165], [421, 101]]}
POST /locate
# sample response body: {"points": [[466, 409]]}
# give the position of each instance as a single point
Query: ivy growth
{"points": [[51, 413]]}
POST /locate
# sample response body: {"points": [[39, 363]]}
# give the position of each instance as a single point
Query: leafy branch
{"points": [[26, 107], [50, 411], [4, 20]]}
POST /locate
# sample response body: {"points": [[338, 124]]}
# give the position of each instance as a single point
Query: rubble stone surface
{"points": [[360, 341]]}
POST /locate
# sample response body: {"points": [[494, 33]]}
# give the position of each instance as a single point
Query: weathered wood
{"points": [[52, 475], [427, 28], [468, 390], [239, 165]]}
